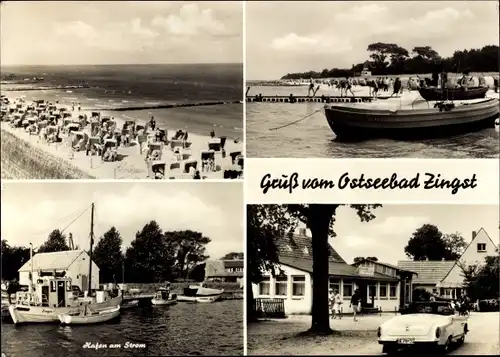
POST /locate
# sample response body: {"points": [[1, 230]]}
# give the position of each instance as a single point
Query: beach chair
{"points": [[232, 174], [109, 151], [94, 146], [176, 144], [175, 166], [215, 144], [79, 141], [190, 164], [72, 127], [240, 161], [156, 170], [185, 156], [208, 161], [94, 128], [155, 151], [234, 155]]}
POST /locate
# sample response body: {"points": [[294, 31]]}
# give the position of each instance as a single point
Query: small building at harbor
{"points": [[229, 271], [445, 278], [70, 263], [383, 286]]}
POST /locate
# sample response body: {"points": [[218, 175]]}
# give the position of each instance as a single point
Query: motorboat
{"points": [[460, 93], [88, 316], [164, 297], [195, 293], [389, 119]]}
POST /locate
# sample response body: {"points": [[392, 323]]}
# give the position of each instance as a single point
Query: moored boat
{"points": [[417, 121], [129, 304], [88, 316], [164, 297], [195, 293], [460, 93]]}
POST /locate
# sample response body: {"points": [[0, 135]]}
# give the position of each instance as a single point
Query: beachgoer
{"points": [[356, 303], [311, 87], [337, 303], [212, 134], [152, 123], [348, 86], [197, 175], [397, 86]]}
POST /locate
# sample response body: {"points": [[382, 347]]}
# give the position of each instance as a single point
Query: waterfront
{"points": [[182, 329]]}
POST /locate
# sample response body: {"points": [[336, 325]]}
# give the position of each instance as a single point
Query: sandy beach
{"points": [[131, 163]]}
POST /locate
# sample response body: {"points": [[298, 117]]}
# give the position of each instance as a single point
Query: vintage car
{"points": [[432, 324]]}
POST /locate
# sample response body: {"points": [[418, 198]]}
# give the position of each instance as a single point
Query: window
{"points": [[281, 285], [383, 290], [372, 290], [481, 247], [393, 289], [347, 285], [298, 285], [334, 284], [265, 286]]}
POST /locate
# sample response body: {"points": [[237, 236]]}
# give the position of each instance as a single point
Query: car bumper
{"points": [[416, 344]]}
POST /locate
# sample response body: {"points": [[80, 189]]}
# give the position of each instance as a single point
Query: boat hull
{"points": [[103, 316], [43, 314], [163, 302], [453, 94], [130, 304], [200, 299], [352, 124]]}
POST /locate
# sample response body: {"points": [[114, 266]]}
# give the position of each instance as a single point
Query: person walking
{"points": [[356, 303], [337, 305]]}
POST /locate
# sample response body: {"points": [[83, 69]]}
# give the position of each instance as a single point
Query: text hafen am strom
{"points": [[430, 181]]}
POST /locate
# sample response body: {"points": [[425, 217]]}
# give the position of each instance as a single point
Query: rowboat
{"points": [[386, 119], [163, 297], [129, 304], [433, 93], [87, 316]]}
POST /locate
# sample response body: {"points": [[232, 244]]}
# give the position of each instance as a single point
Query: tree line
{"points": [[153, 256], [267, 223], [392, 59]]}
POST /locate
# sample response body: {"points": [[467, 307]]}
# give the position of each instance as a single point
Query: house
{"points": [[445, 278], [224, 270], [70, 263], [380, 287]]}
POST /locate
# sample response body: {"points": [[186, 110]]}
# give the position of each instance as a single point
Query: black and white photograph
{"points": [[122, 269], [122, 90], [364, 79], [333, 279]]}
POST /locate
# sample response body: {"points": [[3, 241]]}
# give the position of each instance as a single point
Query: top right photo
{"points": [[395, 79]]}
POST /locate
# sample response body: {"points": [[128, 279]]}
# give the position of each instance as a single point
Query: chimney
{"points": [[303, 232], [474, 234]]}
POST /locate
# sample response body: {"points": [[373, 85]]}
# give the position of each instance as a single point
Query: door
{"points": [[85, 282], [61, 294], [363, 291], [45, 296]]}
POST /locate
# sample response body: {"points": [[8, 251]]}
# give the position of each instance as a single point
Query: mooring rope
{"points": [[296, 121]]}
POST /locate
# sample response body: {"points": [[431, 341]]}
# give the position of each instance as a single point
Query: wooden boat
{"points": [[163, 297], [87, 316], [423, 120], [200, 299], [129, 304], [433, 93], [195, 293]]}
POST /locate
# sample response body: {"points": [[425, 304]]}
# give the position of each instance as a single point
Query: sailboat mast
{"points": [[91, 243], [31, 273]]}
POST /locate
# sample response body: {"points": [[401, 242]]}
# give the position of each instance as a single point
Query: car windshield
{"points": [[441, 308]]}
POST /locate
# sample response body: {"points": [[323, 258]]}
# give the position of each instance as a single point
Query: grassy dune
{"points": [[21, 160]]}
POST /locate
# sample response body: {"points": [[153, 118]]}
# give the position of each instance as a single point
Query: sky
{"points": [[30, 211], [386, 236], [309, 35], [120, 32]]}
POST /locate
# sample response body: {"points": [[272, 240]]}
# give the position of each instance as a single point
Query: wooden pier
{"points": [[306, 99]]}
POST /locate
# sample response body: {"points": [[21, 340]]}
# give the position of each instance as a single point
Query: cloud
{"points": [[75, 30], [191, 21], [307, 44]]}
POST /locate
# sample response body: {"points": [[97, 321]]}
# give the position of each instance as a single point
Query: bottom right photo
{"points": [[338, 279]]}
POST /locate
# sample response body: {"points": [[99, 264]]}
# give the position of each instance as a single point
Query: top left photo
{"points": [[122, 90]]}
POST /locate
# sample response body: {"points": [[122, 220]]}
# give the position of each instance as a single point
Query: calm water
{"points": [[182, 329], [313, 137], [148, 85]]}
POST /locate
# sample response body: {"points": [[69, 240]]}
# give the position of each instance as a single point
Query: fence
{"points": [[271, 308]]}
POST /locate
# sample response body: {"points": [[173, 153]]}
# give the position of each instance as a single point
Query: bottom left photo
{"points": [[122, 268]]}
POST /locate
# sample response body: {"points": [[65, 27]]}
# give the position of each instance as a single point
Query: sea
{"points": [[312, 137], [181, 329], [140, 86]]}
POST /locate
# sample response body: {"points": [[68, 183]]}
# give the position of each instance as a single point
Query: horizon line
{"points": [[115, 64]]}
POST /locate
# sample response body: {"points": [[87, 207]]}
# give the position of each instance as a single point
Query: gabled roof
{"points": [[384, 264], [429, 271], [469, 245], [300, 246], [52, 260], [217, 268], [335, 269]]}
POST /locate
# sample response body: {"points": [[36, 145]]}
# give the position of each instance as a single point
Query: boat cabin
{"points": [[50, 292], [162, 294]]}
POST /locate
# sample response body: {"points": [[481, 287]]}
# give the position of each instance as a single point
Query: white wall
{"points": [[293, 304], [470, 257]]}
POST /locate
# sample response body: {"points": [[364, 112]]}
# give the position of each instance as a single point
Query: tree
{"points": [[108, 256], [150, 256], [55, 243], [426, 243], [455, 245], [425, 52], [481, 282], [13, 258], [360, 259], [232, 256], [319, 218], [198, 273], [381, 51], [189, 249]]}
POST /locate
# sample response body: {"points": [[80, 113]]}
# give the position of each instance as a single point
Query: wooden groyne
{"points": [[306, 99], [45, 88], [165, 106]]}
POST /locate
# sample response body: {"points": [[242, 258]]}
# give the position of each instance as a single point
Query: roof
{"points": [[300, 246], [234, 263], [217, 268], [429, 271], [336, 269], [385, 264], [52, 260]]}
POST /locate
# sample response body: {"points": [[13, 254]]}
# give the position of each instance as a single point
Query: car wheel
{"points": [[461, 340], [389, 349], [446, 347]]}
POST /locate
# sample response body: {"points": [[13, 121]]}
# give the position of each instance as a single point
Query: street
{"points": [[276, 337]]}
